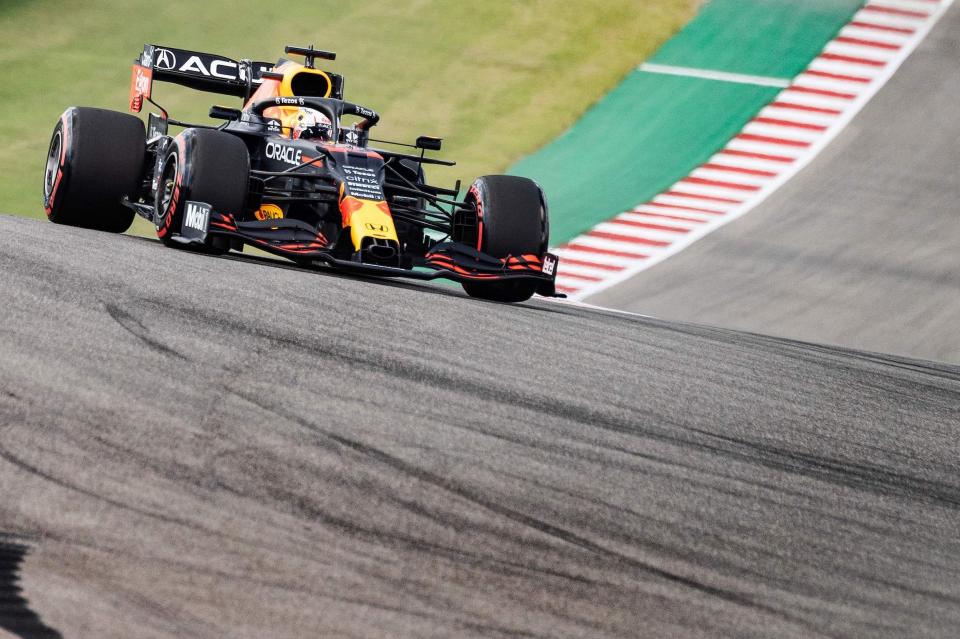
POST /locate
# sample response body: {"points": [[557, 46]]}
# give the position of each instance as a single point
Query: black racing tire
{"points": [[202, 165], [96, 157], [512, 219]]}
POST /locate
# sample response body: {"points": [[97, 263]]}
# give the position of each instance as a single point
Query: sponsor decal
{"points": [[364, 111], [352, 137], [550, 264], [269, 212], [217, 68], [156, 126], [273, 125], [197, 216], [363, 183], [141, 81], [379, 228], [166, 60], [195, 64], [289, 101], [204, 64], [283, 153]]}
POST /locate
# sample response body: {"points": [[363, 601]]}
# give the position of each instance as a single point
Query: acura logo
{"points": [[165, 60]]}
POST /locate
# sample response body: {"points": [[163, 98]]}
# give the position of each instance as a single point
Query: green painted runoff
{"points": [[775, 38], [653, 129]]}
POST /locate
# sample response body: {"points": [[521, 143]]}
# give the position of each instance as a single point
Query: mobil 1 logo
{"points": [[196, 219], [550, 264]]}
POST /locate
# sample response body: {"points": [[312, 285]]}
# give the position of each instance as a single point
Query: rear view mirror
{"points": [[428, 143], [224, 113]]}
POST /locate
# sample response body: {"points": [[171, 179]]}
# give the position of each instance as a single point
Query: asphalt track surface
{"points": [[861, 249], [226, 447]]}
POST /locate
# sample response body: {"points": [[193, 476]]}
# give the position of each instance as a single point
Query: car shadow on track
{"points": [[278, 262], [16, 617], [450, 290]]}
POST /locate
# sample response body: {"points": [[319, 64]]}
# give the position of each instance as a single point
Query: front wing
{"points": [[300, 242]]}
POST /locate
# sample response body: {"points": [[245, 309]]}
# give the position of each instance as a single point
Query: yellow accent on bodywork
{"points": [[289, 72], [269, 212], [370, 221], [286, 114]]}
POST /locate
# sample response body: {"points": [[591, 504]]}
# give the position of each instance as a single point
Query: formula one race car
{"points": [[288, 175]]}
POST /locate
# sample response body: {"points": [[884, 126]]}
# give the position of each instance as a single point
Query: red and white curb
{"points": [[784, 137]]}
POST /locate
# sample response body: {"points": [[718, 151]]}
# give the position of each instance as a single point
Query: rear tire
{"points": [[512, 219], [201, 165], [96, 157]]}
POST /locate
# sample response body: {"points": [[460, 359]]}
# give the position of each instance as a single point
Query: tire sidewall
{"points": [[168, 215], [477, 194], [61, 176]]}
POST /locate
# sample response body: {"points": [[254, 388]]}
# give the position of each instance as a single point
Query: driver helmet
{"points": [[310, 124]]}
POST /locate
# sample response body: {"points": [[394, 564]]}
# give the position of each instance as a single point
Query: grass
{"points": [[496, 79]]}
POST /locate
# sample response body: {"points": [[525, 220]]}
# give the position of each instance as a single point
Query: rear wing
{"points": [[200, 71]]}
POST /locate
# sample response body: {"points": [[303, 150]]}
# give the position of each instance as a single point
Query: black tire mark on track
{"points": [[168, 519], [842, 472], [546, 528], [865, 477], [874, 479], [136, 328]]}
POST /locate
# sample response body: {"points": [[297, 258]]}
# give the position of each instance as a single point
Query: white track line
{"points": [[781, 140], [721, 76]]}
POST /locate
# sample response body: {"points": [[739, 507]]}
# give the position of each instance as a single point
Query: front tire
{"points": [[201, 165], [96, 158], [512, 219]]}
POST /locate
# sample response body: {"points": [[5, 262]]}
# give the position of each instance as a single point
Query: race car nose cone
{"points": [[381, 252]]}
